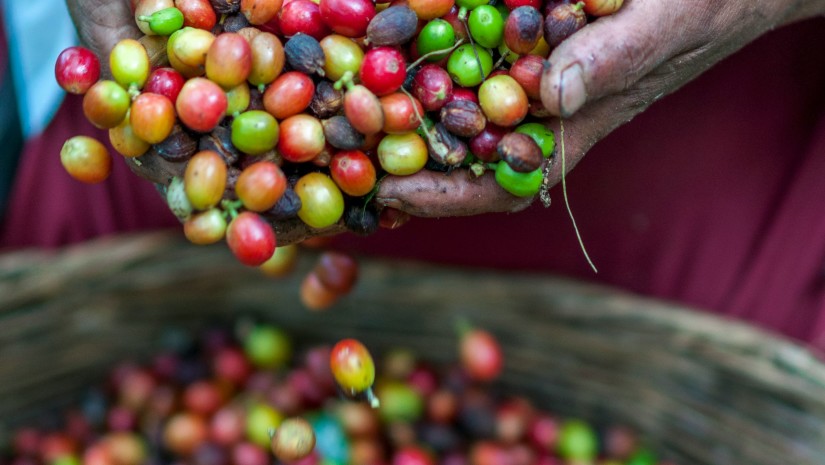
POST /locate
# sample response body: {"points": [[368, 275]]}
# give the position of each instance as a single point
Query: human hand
{"points": [[607, 73], [101, 24]]}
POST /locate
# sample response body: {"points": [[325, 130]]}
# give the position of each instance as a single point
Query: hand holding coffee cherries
{"points": [[264, 119], [268, 118], [616, 67]]}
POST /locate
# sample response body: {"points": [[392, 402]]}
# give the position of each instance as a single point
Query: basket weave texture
{"points": [[701, 389]]}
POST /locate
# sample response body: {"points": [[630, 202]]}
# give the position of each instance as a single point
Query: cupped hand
{"points": [[601, 77]]}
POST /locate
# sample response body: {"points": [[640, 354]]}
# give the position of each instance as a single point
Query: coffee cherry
{"points": [[165, 81], [105, 104], [250, 238], [164, 22], [486, 26], [145, 8], [206, 227], [201, 104], [267, 58], [480, 354], [259, 12], [401, 112], [437, 34], [304, 54], [125, 141], [228, 60], [197, 13], [503, 100], [463, 118], [523, 29], [562, 21], [293, 440], [254, 132], [347, 17], [602, 7], [301, 139], [186, 50], [260, 186], [430, 9], [363, 109], [432, 86], [393, 26], [237, 99], [303, 16], [86, 159], [205, 179], [352, 366], [383, 70], [129, 63], [76, 70], [353, 172], [342, 55], [527, 73], [152, 117], [289, 95], [463, 65], [402, 154], [322, 204]]}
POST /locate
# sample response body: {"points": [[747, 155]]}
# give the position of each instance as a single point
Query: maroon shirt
{"points": [[714, 197]]}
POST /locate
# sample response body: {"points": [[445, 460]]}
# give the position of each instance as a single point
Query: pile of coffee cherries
{"points": [[268, 110], [251, 398]]}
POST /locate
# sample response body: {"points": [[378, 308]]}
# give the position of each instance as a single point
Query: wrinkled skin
{"points": [[597, 80]]}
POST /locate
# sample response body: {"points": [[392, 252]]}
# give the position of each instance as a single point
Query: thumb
{"points": [[612, 53]]}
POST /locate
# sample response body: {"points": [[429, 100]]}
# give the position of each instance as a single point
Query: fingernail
{"points": [[572, 93]]}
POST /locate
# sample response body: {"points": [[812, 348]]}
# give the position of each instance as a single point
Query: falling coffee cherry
{"points": [[353, 368], [293, 440], [480, 353]]}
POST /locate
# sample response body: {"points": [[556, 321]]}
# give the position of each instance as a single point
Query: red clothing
{"points": [[713, 197]]}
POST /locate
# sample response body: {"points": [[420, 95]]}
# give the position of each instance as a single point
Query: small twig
{"points": [[567, 202], [434, 53], [475, 50], [501, 60]]}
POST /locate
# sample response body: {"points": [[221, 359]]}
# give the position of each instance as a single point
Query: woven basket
{"points": [[702, 390]]}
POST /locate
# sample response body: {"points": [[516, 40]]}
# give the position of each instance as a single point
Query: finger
{"points": [[293, 231], [435, 194], [102, 23], [612, 53]]}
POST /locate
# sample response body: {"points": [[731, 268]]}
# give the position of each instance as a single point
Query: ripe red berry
{"points": [[348, 17], [480, 355], [77, 69], [383, 70], [250, 238]]}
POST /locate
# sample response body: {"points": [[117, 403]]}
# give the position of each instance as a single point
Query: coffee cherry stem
{"points": [[261, 88], [433, 53], [462, 16], [372, 399], [501, 60], [421, 124], [473, 44], [371, 195], [477, 169], [230, 208], [346, 80], [133, 90]]}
